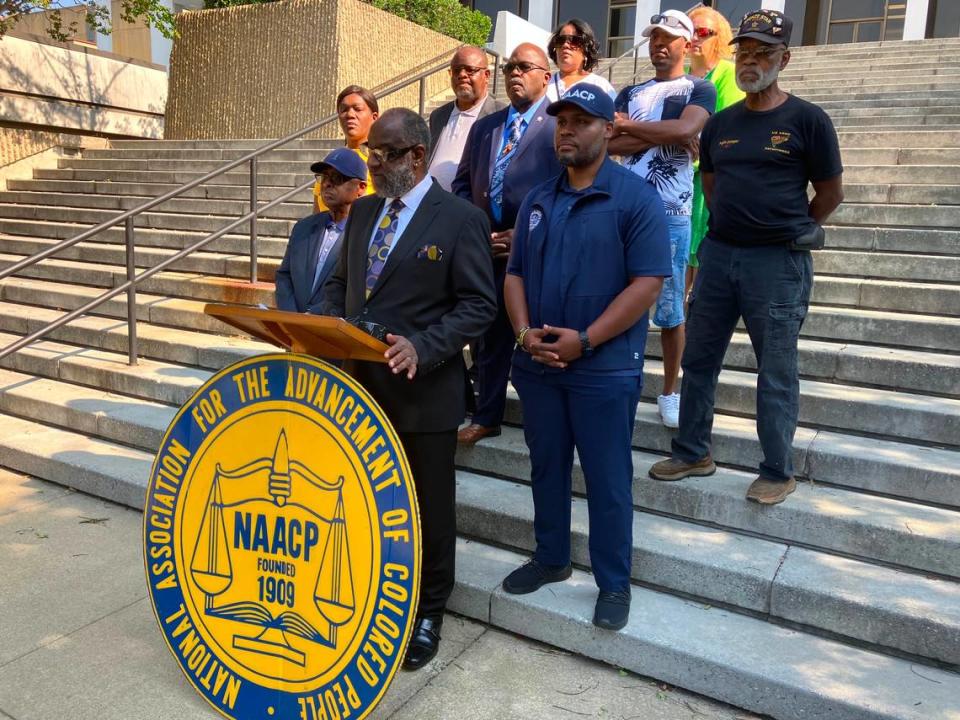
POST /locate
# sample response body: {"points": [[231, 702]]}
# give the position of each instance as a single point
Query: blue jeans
{"points": [[669, 309], [769, 287]]}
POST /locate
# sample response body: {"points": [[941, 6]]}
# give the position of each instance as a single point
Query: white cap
{"points": [[673, 22]]}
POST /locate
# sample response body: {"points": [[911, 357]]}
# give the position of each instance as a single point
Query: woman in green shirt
{"points": [[710, 54]]}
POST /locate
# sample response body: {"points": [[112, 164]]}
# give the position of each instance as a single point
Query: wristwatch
{"points": [[586, 349]]}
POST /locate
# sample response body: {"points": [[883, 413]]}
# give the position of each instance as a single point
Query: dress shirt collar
{"points": [[528, 115], [473, 111]]}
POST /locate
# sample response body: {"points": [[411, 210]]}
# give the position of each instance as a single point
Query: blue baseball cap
{"points": [[345, 161], [589, 98]]}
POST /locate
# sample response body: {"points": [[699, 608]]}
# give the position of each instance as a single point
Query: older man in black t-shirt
{"points": [[757, 158]]}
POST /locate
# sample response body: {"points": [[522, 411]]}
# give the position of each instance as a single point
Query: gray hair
{"points": [[413, 128]]}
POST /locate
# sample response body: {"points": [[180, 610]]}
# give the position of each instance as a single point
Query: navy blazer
{"points": [[294, 280], [534, 162]]}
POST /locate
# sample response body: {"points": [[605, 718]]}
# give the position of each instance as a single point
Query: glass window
{"points": [[894, 29], [946, 23], [622, 21], [856, 9], [617, 47], [868, 31], [840, 33]]}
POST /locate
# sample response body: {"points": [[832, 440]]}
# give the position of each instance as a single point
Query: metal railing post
{"points": [[423, 95], [253, 219], [496, 73], [131, 294]]}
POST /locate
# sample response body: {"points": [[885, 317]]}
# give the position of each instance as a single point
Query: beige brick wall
{"points": [[263, 71]]}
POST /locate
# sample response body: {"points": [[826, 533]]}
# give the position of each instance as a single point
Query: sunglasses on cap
{"points": [[574, 41], [668, 20]]}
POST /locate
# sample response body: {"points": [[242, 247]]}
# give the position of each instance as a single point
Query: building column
{"points": [[645, 8], [540, 13], [915, 22]]}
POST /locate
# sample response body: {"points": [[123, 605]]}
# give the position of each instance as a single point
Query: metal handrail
{"points": [[129, 286], [632, 52]]}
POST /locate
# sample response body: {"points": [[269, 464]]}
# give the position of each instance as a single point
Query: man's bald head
{"points": [[527, 74], [469, 76]]}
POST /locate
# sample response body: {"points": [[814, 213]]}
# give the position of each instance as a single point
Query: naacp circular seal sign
{"points": [[282, 542]]}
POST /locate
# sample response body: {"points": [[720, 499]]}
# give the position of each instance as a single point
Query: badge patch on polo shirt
{"points": [[535, 217]]}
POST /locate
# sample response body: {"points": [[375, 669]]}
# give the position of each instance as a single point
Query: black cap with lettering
{"points": [[767, 26]]}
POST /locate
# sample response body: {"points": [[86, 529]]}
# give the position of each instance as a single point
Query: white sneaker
{"points": [[669, 407]]}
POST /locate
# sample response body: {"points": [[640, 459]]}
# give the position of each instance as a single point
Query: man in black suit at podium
{"points": [[416, 260]]}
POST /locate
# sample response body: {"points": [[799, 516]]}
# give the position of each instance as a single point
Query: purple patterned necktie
{"points": [[382, 241]]}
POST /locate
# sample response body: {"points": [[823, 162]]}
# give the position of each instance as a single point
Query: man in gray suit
{"points": [[450, 123], [314, 246]]}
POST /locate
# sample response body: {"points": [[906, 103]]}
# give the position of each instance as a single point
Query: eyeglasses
{"points": [[760, 53], [332, 177], [574, 41], [704, 32], [669, 21], [523, 67], [470, 71], [390, 154]]}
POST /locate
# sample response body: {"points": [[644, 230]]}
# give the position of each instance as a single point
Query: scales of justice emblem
{"points": [[292, 514]]}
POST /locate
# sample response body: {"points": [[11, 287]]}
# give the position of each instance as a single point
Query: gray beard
{"points": [[760, 84], [397, 182]]}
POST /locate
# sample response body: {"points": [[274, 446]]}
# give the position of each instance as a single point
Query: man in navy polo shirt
{"points": [[590, 251]]}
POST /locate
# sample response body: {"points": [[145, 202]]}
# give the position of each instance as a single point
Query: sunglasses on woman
{"points": [[704, 32], [574, 41]]}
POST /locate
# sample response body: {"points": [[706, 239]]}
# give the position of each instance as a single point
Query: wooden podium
{"points": [[325, 337]]}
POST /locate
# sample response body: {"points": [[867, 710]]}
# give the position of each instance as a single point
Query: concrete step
{"points": [[177, 178], [229, 244], [100, 258], [868, 82], [187, 206], [248, 144], [838, 520], [921, 241], [150, 219], [891, 192], [875, 411], [877, 327], [909, 370], [897, 119], [942, 299], [187, 164], [684, 557], [155, 342], [914, 101], [901, 174], [921, 139], [683, 642], [905, 215], [880, 95], [879, 112], [854, 75], [152, 189], [891, 265]]}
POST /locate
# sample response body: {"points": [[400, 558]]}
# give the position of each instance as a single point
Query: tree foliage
{"points": [[96, 15], [445, 16]]}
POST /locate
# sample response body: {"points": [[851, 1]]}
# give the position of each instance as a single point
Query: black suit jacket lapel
{"points": [[412, 234]]}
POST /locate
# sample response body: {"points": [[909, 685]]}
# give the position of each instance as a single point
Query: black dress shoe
{"points": [[424, 643], [533, 575]]}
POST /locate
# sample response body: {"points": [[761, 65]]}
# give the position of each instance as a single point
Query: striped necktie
{"points": [[500, 167], [382, 242]]}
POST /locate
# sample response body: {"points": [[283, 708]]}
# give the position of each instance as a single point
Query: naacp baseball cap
{"points": [[345, 161], [589, 98], [671, 21], [767, 26]]}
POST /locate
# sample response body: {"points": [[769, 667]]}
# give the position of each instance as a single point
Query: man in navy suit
{"points": [[506, 154], [314, 247]]}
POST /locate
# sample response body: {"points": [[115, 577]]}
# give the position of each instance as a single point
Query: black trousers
{"points": [[493, 359], [431, 458]]}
